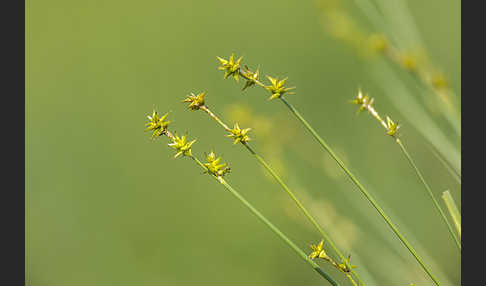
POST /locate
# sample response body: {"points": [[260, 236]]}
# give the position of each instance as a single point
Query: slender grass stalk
{"points": [[453, 211], [429, 191], [292, 195], [366, 102], [361, 188], [277, 231]]}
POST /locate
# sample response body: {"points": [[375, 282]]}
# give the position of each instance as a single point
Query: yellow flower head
{"points": [[364, 101], [240, 135], [344, 268], [214, 167], [392, 127], [157, 124], [318, 251], [277, 89], [231, 66], [196, 101], [181, 145], [251, 77]]}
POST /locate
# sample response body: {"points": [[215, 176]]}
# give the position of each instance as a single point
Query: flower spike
{"points": [[251, 77], [392, 127], [195, 101], [181, 145], [231, 66], [157, 124], [318, 251], [240, 135], [344, 268], [276, 88], [213, 166]]}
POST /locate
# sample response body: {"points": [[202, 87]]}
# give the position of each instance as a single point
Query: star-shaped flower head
{"points": [[277, 89], [318, 251], [214, 167], [196, 101], [240, 135], [157, 124], [181, 145], [392, 127], [251, 77], [344, 268], [364, 101], [231, 66]]}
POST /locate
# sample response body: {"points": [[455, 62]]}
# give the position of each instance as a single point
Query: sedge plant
{"points": [[198, 102], [277, 90], [159, 127]]}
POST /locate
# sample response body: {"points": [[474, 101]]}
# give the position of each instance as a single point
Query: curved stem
{"points": [[429, 191], [362, 189]]}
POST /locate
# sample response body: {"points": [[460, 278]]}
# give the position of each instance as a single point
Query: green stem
{"points": [[429, 191], [362, 189], [292, 245], [304, 210], [453, 211]]}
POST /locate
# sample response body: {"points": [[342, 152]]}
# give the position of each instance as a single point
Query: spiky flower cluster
{"points": [[157, 124], [195, 101], [343, 267], [251, 77], [213, 166], [231, 67], [392, 127], [318, 251], [364, 101], [239, 135], [181, 145], [277, 87]]}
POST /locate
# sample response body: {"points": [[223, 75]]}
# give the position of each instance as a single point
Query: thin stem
{"points": [[291, 194], [292, 245], [429, 191], [453, 211], [361, 188]]}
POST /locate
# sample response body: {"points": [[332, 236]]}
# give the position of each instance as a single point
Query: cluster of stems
{"points": [[234, 68], [159, 127], [198, 102]]}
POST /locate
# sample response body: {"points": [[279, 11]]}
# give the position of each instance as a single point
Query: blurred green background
{"points": [[106, 206]]}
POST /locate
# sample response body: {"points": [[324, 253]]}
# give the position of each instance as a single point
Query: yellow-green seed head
{"points": [[364, 101], [231, 67], [157, 124], [392, 127], [344, 268], [318, 251], [181, 145], [251, 77], [277, 87], [239, 135], [214, 167], [195, 101]]}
